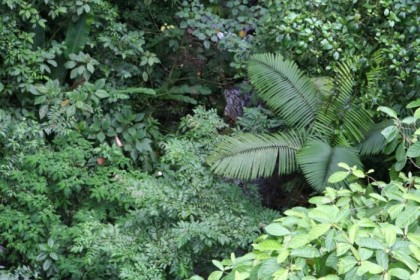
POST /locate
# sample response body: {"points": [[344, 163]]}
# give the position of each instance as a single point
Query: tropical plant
{"points": [[324, 125], [402, 138], [364, 232]]}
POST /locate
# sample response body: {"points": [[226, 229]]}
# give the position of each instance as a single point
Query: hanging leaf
{"points": [[77, 35]]}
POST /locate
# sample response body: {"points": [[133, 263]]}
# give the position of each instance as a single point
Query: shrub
{"points": [[364, 232]]}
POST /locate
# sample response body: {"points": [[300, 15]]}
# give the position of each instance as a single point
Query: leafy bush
{"points": [[364, 232]]}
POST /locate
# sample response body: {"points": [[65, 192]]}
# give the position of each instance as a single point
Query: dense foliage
{"points": [[63, 214], [105, 139]]}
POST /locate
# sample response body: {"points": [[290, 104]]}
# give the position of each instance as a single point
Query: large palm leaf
{"points": [[250, 156], [340, 113], [318, 160], [284, 88]]}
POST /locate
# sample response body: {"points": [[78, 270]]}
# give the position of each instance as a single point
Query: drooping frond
{"points": [[285, 89], [340, 112], [374, 142], [318, 160], [250, 156], [375, 74]]}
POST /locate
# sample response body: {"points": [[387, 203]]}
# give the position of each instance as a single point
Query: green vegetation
{"points": [[113, 147]]}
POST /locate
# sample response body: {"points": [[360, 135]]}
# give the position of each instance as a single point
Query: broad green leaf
{"points": [[320, 200], [318, 230], [365, 222], [365, 254], [408, 216], [267, 245], [324, 213], [305, 252], [400, 273], [415, 238], [406, 259], [413, 104], [390, 133], [415, 250], [281, 274], [276, 229], [367, 266], [370, 243], [215, 275], [338, 176], [390, 235], [298, 241], [46, 265], [101, 93], [342, 248], [415, 276], [358, 173], [346, 264], [241, 275], [218, 264], [71, 110], [353, 231], [417, 113], [382, 259], [412, 196], [344, 165], [329, 240], [40, 99], [414, 150], [388, 111], [377, 197], [267, 268], [77, 36], [395, 210], [409, 120], [54, 256], [43, 110], [282, 256], [196, 277]]}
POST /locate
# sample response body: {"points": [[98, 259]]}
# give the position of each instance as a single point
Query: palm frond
{"points": [[374, 142], [285, 89], [250, 156], [340, 112], [318, 160]]}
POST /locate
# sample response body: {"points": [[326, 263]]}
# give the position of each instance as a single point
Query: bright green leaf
{"points": [[276, 229]]}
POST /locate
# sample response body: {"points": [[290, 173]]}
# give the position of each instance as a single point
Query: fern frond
{"points": [[285, 89], [318, 160], [250, 156], [374, 142]]}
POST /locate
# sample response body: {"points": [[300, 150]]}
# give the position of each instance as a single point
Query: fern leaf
{"points": [[249, 156], [318, 160], [285, 89]]}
